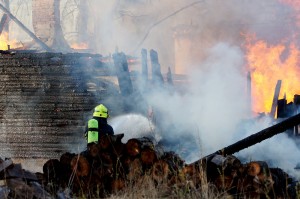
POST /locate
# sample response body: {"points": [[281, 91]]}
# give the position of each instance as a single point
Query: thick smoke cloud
{"points": [[279, 151], [213, 104], [213, 110], [124, 24]]}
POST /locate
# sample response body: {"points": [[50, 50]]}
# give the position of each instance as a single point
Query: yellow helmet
{"points": [[101, 111]]}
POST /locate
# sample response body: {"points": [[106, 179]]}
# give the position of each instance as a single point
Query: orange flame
{"points": [[4, 42], [80, 46], [268, 64]]}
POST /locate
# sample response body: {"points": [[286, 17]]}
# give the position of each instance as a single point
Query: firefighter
{"points": [[98, 126]]}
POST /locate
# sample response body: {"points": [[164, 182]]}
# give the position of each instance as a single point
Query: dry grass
{"points": [[145, 187], [148, 190]]}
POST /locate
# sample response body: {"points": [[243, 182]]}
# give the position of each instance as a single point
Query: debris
{"points": [[110, 166], [5, 164]]}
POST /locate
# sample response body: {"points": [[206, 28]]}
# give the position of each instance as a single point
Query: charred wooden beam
{"points": [[275, 98], [296, 110], [282, 108], [3, 22], [6, 3], [157, 78], [261, 136], [121, 66], [297, 100], [124, 80], [144, 64], [144, 68], [19, 23], [169, 77], [253, 139]]}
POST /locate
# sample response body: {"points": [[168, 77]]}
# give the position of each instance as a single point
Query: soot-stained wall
{"points": [[45, 100]]}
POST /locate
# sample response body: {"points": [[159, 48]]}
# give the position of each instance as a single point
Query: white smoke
{"points": [[279, 151], [213, 105], [213, 110], [134, 126], [133, 24]]}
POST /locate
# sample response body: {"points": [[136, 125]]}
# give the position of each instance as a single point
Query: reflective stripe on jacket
{"points": [[92, 134]]}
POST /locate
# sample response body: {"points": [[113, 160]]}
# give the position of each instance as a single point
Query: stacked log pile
{"points": [[111, 166]]}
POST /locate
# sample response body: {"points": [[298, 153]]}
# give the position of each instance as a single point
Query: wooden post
{"points": [[281, 108], [157, 78], [169, 77], [170, 84], [144, 69], [296, 111], [275, 98], [124, 79], [144, 64], [123, 74]]}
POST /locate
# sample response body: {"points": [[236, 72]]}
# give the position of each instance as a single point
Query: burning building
{"points": [[212, 40], [48, 88]]}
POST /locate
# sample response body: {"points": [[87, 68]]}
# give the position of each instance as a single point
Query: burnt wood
{"points": [[261, 135]]}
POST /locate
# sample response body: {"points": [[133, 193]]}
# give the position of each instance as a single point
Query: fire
{"points": [[79, 46], [5, 42], [269, 63]]}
